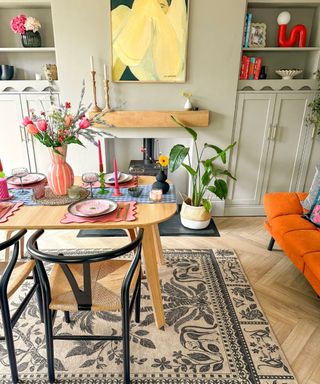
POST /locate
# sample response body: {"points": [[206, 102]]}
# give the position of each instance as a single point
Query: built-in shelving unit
{"points": [[156, 119], [274, 57], [27, 61]]}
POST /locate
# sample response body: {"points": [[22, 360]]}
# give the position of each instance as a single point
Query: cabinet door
{"points": [[14, 149], [252, 125], [287, 142], [311, 158], [40, 159]]}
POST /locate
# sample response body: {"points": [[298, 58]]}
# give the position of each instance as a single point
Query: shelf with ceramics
{"points": [[278, 85]]}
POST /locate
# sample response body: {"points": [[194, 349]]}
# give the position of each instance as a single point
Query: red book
{"points": [[245, 64], [257, 68]]}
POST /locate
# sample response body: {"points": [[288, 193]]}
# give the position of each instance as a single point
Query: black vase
{"points": [[6, 72], [31, 39], [161, 182]]}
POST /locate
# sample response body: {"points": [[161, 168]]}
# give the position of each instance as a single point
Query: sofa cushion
{"points": [[302, 242], [312, 270], [315, 185], [314, 214], [282, 203], [284, 224]]}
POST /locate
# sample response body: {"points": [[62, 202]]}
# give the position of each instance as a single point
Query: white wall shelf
{"points": [[281, 49], [278, 85], [30, 86], [27, 50]]}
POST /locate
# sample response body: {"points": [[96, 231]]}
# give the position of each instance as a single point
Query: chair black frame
{"points": [[84, 297], [7, 320]]}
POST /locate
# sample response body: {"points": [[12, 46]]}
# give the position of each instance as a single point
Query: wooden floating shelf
{"points": [[156, 119]]}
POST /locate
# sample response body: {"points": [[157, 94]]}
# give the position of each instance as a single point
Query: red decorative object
{"points": [[60, 175], [298, 33], [116, 192]]}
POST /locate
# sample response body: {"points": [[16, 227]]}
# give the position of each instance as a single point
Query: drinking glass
{"points": [[90, 178], [20, 172]]}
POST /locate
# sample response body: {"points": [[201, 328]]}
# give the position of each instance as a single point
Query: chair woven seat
{"points": [[106, 281], [20, 272]]}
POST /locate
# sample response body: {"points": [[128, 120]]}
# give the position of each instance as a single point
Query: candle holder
{"points": [[106, 95], [94, 107], [116, 192], [102, 190]]}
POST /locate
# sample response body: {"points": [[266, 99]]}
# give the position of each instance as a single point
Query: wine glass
{"points": [[90, 178], [20, 172]]}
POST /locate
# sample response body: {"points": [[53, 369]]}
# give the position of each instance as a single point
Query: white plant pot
{"points": [[194, 217]]}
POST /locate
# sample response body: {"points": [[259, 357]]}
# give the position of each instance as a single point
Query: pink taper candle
{"points": [[4, 193], [115, 169], [100, 157]]}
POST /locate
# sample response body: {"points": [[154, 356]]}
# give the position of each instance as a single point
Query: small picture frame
{"points": [[258, 35]]}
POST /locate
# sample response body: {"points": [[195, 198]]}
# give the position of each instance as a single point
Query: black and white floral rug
{"points": [[216, 333]]}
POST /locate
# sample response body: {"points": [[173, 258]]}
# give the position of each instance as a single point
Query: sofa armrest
{"points": [[282, 203]]}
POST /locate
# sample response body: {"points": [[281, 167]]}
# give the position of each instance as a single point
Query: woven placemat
{"points": [[51, 199]]}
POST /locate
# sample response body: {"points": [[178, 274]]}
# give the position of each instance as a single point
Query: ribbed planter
{"points": [[31, 39], [60, 175], [194, 217]]}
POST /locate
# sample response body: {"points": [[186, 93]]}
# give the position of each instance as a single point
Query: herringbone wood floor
{"points": [[289, 302]]}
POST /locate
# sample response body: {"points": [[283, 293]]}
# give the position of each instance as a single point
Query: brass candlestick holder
{"points": [[106, 95], [94, 107]]}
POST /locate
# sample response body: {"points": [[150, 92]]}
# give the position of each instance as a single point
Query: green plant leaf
{"points": [[188, 129], [192, 171], [220, 189], [205, 180], [177, 155], [222, 153], [207, 204]]}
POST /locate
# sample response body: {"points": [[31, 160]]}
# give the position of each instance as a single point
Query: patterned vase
{"points": [[60, 174], [31, 39]]}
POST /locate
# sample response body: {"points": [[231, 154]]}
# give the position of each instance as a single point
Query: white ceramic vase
{"points": [[188, 105], [194, 217]]}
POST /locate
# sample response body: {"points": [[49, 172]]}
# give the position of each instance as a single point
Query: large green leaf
{"points": [[205, 180], [222, 153], [192, 171], [207, 204], [177, 155], [188, 129], [220, 189]]}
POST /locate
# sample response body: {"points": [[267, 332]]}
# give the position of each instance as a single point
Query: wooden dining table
{"points": [[148, 217]]}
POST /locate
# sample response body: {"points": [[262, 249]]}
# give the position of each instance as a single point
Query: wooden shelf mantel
{"points": [[156, 119]]}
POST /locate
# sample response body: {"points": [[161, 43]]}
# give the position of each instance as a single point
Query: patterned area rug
{"points": [[216, 333]]}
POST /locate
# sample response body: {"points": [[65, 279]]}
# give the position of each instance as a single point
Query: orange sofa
{"points": [[297, 237]]}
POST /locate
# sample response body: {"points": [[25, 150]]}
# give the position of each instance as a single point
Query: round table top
{"points": [[48, 217]]}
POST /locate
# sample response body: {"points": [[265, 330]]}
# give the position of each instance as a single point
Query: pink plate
{"points": [[90, 207], [28, 179]]}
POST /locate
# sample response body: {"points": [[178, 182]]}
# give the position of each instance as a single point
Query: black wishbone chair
{"points": [[12, 274], [94, 282]]}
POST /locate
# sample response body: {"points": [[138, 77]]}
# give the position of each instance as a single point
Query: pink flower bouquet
{"points": [[21, 24], [59, 126]]}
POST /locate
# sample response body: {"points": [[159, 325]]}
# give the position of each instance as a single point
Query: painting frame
{"points": [[172, 79], [258, 35]]}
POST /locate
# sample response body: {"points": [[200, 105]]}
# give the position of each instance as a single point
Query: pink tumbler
{"points": [[4, 193]]}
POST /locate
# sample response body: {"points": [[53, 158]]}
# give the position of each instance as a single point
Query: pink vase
{"points": [[60, 174]]}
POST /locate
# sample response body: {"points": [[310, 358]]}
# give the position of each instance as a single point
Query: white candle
{"points": [[91, 63], [105, 71]]}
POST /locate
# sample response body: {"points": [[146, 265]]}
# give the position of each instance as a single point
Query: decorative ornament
{"points": [[298, 33]]}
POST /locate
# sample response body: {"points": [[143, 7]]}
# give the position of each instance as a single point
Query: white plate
{"points": [[31, 178], [92, 207], [124, 178]]}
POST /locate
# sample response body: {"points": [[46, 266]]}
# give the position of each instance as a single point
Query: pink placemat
{"points": [[125, 212], [129, 184], [10, 212]]}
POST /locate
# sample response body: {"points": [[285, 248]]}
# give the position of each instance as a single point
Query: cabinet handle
{"points": [[313, 132], [269, 132], [21, 137], [274, 132]]}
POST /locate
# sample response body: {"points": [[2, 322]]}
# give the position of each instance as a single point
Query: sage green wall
{"points": [[81, 29]]}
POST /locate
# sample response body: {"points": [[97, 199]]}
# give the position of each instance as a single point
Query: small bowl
{"points": [[135, 191]]}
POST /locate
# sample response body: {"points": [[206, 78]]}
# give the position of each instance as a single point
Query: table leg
{"points": [[131, 233], [6, 255], [158, 245], [149, 252]]}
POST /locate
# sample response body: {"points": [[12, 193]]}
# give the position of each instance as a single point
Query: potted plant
{"points": [[206, 177], [28, 27]]}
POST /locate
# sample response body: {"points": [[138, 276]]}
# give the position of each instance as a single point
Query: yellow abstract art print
{"points": [[149, 40]]}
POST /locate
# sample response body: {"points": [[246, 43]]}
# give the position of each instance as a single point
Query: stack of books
{"points": [[250, 68], [247, 29]]}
